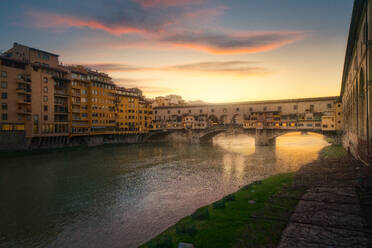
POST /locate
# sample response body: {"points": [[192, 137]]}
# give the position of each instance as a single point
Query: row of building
{"points": [[324, 113], [40, 97]]}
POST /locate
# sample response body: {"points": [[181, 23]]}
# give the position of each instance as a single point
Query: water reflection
{"points": [[121, 196]]}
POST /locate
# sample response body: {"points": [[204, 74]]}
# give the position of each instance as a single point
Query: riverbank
{"points": [[257, 214], [336, 209], [239, 217]]}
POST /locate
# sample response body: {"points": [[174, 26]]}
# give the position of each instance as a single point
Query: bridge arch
{"points": [[237, 119], [223, 119], [213, 119]]}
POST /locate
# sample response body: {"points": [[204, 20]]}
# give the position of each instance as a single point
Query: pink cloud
{"points": [[164, 35], [166, 3], [52, 20], [227, 43]]}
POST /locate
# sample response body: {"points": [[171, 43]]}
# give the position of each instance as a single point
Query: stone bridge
{"points": [[263, 137]]}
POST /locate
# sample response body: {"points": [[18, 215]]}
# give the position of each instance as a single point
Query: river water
{"points": [[122, 196]]}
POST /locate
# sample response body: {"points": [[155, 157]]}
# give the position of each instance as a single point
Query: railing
{"points": [[27, 101], [60, 92], [24, 111], [23, 90]]}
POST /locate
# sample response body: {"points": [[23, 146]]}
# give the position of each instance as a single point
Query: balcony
{"points": [[24, 101], [22, 90], [24, 111], [24, 80], [61, 111], [61, 93], [60, 103], [75, 110]]}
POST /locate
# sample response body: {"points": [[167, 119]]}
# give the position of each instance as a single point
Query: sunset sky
{"points": [[213, 50]]}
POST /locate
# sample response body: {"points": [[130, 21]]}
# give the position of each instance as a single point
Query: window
{"points": [[251, 109], [45, 107], [168, 112], [4, 74], [46, 89], [295, 107], [45, 117], [237, 109], [201, 111], [265, 108], [4, 95], [212, 110], [45, 98], [329, 105], [45, 80], [4, 106], [279, 108], [4, 117], [4, 85]]}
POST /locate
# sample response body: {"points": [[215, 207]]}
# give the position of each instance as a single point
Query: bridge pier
{"points": [[264, 138]]}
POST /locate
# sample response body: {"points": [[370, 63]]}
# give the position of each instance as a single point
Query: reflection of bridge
{"points": [[263, 136]]}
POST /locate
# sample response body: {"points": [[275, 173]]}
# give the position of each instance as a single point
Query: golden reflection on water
{"points": [[295, 149], [290, 152]]}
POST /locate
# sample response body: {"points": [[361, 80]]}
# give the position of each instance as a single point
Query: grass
{"points": [[333, 152], [236, 221]]}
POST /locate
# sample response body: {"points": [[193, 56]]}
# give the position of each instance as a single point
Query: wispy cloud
{"points": [[241, 68], [114, 67], [167, 3], [145, 85], [153, 24], [53, 20], [234, 43], [246, 68]]}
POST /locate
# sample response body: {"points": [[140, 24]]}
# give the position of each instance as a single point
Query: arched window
{"points": [[361, 106]]}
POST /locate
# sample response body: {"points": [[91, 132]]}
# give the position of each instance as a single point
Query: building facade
{"points": [[43, 101], [310, 113], [355, 91]]}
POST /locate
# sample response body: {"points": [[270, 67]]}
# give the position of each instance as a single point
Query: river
{"points": [[122, 196]]}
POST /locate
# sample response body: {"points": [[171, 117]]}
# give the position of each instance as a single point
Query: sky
{"points": [[210, 50]]}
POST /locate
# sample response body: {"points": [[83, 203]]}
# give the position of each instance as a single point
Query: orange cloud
{"points": [[234, 43], [159, 32], [155, 3], [234, 68], [51, 20]]}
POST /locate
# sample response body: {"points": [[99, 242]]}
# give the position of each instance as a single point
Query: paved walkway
{"points": [[329, 214]]}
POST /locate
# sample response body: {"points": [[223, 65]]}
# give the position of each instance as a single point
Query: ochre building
{"points": [[44, 102]]}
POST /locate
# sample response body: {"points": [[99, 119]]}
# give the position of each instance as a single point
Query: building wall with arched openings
{"points": [[355, 93]]}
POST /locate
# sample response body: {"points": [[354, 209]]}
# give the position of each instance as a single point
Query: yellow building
{"points": [[44, 103], [127, 103], [145, 116], [32, 82]]}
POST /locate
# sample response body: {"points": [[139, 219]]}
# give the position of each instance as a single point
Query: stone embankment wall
{"points": [[11, 141]]}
